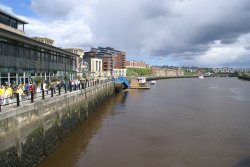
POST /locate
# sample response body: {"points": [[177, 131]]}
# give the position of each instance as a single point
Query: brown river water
{"points": [[177, 123]]}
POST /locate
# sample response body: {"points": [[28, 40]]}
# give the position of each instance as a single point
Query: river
{"points": [[177, 123]]}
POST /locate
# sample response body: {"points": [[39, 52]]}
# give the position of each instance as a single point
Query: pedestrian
{"points": [[1, 96], [31, 88]]}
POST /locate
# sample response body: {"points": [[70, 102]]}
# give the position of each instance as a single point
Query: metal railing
{"points": [[30, 96]]}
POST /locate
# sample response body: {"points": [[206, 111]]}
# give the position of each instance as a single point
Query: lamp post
{"points": [[83, 68]]}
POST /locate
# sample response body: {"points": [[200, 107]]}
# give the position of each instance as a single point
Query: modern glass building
{"points": [[23, 58]]}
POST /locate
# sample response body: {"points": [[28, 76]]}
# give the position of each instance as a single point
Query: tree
{"points": [[54, 78], [79, 77], [38, 79], [66, 77]]}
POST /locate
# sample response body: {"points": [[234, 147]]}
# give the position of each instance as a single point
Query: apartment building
{"points": [[113, 61]]}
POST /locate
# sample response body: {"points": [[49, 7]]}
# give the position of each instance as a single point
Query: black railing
{"points": [[31, 96]]}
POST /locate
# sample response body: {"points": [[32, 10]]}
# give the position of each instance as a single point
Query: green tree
{"points": [[66, 77], [54, 78], [38, 79], [138, 71]]}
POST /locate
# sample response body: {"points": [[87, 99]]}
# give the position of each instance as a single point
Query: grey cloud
{"points": [[241, 63], [52, 9], [181, 29], [247, 47], [153, 10], [226, 30]]}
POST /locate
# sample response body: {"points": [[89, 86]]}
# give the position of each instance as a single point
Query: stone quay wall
{"points": [[29, 133]]}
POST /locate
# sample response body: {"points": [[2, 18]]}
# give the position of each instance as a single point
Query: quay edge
{"points": [[30, 133]]}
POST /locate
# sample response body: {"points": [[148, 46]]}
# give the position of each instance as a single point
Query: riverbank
{"points": [[244, 77], [159, 77], [149, 78]]}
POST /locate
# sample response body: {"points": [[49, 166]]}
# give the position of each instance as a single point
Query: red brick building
{"points": [[136, 64], [112, 60]]}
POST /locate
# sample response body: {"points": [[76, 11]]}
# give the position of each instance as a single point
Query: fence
{"points": [[16, 99]]}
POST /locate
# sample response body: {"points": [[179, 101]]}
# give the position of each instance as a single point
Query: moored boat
{"points": [[139, 83], [152, 82]]}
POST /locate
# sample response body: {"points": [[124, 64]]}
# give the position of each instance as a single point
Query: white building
{"points": [[96, 67], [119, 72]]}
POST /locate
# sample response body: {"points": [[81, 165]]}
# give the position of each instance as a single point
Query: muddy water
{"points": [[177, 123]]}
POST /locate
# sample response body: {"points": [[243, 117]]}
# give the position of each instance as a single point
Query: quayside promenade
{"points": [[30, 132]]}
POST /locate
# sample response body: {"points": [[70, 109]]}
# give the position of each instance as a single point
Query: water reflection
{"points": [[74, 145], [181, 122]]}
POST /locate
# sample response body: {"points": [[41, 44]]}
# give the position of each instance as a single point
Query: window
{"points": [[5, 20], [13, 23]]}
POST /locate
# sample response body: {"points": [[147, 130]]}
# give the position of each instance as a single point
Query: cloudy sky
{"points": [[204, 33]]}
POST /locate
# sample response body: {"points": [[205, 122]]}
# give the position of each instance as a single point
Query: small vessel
{"points": [[139, 83], [153, 82], [201, 76]]}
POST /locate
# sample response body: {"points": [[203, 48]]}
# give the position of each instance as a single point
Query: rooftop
{"points": [[20, 21]]}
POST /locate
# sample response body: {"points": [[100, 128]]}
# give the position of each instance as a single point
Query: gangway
{"points": [[122, 80]]}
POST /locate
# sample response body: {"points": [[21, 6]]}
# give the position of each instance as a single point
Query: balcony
{"points": [[14, 30]]}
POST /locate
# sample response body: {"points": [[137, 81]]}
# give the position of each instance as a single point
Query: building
{"points": [[113, 61], [11, 23], [224, 70], [79, 59], [23, 58], [167, 72], [136, 64], [95, 67], [119, 72], [44, 40]]}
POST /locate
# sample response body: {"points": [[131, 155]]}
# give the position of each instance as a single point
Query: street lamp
{"points": [[83, 67]]}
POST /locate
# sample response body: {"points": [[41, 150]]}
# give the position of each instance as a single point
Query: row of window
{"points": [[7, 21], [14, 56]]}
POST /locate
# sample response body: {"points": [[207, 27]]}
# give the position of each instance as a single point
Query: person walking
{"points": [[1, 96]]}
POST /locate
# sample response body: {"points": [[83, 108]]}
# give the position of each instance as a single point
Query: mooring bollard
{"points": [[51, 89], [32, 96], [17, 100], [43, 94]]}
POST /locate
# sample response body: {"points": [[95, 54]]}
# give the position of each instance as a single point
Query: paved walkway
{"points": [[27, 100]]}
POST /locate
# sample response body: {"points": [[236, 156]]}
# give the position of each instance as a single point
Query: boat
{"points": [[139, 83], [153, 82], [201, 76]]}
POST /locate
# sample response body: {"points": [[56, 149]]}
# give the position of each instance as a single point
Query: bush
{"points": [[66, 77], [54, 78], [38, 79], [79, 77]]}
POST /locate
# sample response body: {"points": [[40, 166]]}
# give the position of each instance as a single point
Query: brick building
{"points": [[113, 61], [136, 64]]}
